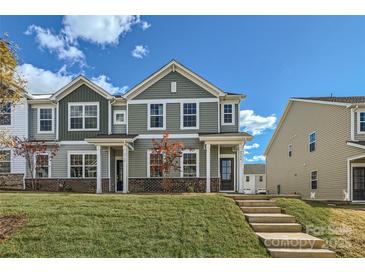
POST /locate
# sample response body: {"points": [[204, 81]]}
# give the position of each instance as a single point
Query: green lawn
{"points": [[342, 226], [76, 225]]}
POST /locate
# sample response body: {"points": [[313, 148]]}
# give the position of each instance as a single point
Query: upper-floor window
{"points": [[5, 114], [119, 117], [190, 163], [190, 116], [5, 161], [83, 116], [228, 114], [42, 166], [247, 178], [155, 161], [156, 116], [314, 179], [261, 178], [82, 165], [290, 150], [173, 87], [45, 120], [361, 122], [312, 141]]}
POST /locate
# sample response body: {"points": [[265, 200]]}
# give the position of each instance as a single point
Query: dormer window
{"points": [[83, 116], [228, 114]]}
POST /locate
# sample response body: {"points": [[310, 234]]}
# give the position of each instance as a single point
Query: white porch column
{"points": [[240, 168], [207, 147], [98, 170], [125, 168]]}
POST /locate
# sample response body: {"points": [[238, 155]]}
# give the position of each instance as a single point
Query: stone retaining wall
{"points": [[12, 181]]}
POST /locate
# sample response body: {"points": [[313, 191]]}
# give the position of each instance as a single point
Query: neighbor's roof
{"points": [[254, 169], [345, 99]]}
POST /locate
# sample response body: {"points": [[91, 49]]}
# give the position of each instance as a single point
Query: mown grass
{"points": [[342, 227], [75, 225]]}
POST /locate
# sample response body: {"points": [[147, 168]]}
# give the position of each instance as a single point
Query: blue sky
{"points": [[269, 58]]}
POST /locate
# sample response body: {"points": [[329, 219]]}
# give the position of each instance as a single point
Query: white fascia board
{"points": [[355, 145], [321, 102]]}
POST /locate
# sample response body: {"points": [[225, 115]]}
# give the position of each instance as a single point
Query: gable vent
{"points": [[173, 86]]}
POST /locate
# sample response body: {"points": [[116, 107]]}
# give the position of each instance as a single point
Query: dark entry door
{"points": [[119, 173], [358, 183], [227, 174]]}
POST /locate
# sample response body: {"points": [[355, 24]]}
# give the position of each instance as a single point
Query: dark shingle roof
{"points": [[254, 169], [345, 99]]}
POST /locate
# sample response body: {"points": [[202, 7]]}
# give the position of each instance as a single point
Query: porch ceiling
{"points": [[225, 138]]}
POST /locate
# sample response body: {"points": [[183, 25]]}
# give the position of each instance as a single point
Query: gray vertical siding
{"points": [[184, 89], [33, 126], [118, 129], [235, 127]]}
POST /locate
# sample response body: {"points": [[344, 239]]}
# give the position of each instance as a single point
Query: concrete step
{"points": [[301, 253], [276, 227], [249, 197], [269, 218], [261, 209], [255, 203], [290, 240]]}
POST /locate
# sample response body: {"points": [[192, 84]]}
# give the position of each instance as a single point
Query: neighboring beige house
{"points": [[255, 178], [318, 149]]}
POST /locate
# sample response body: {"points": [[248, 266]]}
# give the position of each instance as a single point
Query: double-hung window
{"points": [[312, 141], [42, 166], [247, 178], [261, 178], [155, 164], [83, 116], [290, 150], [45, 120], [314, 179], [190, 115], [190, 163], [228, 114], [5, 161], [361, 122], [82, 165], [156, 116], [5, 114]]}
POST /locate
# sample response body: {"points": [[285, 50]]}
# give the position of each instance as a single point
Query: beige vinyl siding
{"points": [[118, 129], [236, 126], [333, 127], [33, 126], [208, 120], [138, 158], [184, 89]]}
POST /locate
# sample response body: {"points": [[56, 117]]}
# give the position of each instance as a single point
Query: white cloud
{"points": [[245, 152], [256, 124], [256, 158], [57, 44], [140, 51], [99, 29], [103, 81], [254, 145]]}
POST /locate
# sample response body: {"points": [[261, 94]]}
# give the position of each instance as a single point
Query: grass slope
{"points": [[73, 225], [342, 227]]}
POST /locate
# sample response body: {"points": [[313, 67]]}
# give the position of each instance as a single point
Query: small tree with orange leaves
{"points": [[165, 158]]}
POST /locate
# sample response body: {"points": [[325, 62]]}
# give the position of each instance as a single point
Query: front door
{"points": [[119, 175], [358, 183], [227, 174]]}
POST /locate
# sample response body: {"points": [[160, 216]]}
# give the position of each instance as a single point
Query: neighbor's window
{"points": [[261, 178], [155, 165], [247, 178], [5, 161], [361, 121], [314, 179], [5, 114], [312, 141], [84, 116], [119, 117], [83, 165], [45, 119], [190, 160], [190, 115], [156, 116], [42, 166], [228, 114], [290, 150]]}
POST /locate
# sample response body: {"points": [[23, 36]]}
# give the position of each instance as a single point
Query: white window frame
{"points": [[359, 111], [35, 165], [290, 150], [182, 115], [7, 161], [83, 104], [115, 122], [11, 116], [309, 141], [83, 153], [310, 180], [233, 115], [39, 131], [149, 152], [149, 115], [173, 87], [190, 151]]}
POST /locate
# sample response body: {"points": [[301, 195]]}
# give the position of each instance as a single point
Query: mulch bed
{"points": [[9, 224]]}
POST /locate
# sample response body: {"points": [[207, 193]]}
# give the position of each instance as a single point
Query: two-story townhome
{"points": [[318, 149], [105, 141]]}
